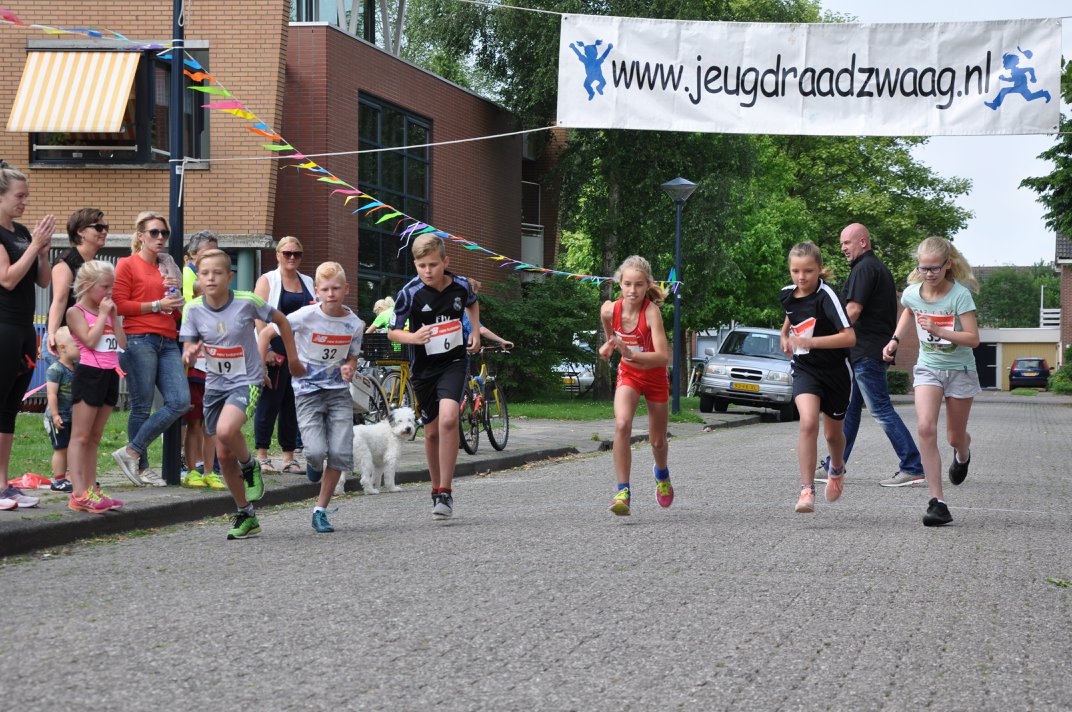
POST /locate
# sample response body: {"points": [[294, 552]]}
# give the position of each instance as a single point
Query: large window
{"points": [[145, 136], [400, 179]]}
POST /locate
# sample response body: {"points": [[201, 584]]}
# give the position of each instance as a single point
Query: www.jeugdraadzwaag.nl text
{"points": [[897, 79], [749, 84]]}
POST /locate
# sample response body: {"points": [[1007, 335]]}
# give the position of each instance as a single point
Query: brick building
{"points": [[324, 91]]}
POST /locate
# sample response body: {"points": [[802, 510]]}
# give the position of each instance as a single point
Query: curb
{"points": [[31, 535]]}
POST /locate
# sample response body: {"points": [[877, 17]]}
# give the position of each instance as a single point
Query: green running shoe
{"points": [[321, 524], [254, 483], [620, 504], [244, 526]]}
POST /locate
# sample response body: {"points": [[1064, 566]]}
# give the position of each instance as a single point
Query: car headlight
{"points": [[716, 369], [778, 377]]}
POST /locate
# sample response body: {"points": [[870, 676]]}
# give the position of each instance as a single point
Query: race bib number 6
{"points": [[229, 361], [330, 349], [445, 336]]}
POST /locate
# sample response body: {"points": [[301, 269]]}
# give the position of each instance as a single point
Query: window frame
{"points": [[144, 153], [386, 273]]}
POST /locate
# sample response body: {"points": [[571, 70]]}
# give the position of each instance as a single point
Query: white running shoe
{"points": [[128, 464]]}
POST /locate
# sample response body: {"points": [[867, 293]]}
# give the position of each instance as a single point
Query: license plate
{"points": [[1030, 373], [745, 386]]}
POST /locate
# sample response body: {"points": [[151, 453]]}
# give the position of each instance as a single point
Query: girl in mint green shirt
{"points": [[940, 308]]}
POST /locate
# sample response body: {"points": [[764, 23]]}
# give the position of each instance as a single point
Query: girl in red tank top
{"points": [[634, 328]]}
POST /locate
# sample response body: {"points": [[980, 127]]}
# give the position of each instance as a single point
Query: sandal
{"points": [[293, 468], [266, 464]]}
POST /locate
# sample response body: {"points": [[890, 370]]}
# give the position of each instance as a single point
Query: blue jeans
{"points": [[153, 362], [870, 386]]}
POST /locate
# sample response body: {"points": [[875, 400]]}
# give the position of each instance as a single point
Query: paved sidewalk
{"points": [[53, 524]]}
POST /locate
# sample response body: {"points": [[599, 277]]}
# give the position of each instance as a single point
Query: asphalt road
{"points": [[534, 597]]}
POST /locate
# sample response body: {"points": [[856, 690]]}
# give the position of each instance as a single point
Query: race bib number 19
{"points": [[229, 361], [445, 336]]}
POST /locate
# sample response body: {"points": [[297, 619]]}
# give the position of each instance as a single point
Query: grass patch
{"points": [[568, 408], [32, 450], [1023, 392]]}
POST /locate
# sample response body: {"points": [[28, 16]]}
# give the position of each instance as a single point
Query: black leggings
{"points": [[18, 346]]}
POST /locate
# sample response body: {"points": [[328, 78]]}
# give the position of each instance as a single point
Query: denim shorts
{"points": [[955, 383], [326, 420]]}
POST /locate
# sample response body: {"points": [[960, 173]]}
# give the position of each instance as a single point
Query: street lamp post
{"points": [[679, 191]]}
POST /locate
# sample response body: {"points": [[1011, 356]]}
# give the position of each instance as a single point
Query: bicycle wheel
{"points": [[469, 424], [378, 410], [496, 416], [397, 395]]}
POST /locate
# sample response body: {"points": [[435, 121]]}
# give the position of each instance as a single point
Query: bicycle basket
{"points": [[376, 347], [363, 393]]}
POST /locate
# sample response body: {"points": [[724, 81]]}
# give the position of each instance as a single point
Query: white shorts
{"points": [[956, 383]]}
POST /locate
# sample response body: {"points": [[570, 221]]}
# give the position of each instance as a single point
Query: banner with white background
{"points": [[898, 79]]}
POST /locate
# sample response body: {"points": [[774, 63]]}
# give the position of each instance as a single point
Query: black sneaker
{"points": [[61, 484], [444, 507], [958, 470], [937, 514]]}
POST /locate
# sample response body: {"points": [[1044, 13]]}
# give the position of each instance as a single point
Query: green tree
{"points": [[1009, 297], [1055, 189]]}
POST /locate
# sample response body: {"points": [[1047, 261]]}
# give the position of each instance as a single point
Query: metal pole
{"points": [[173, 435], [675, 384]]}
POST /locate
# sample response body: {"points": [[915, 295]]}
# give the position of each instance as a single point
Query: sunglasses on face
{"points": [[291, 255], [156, 232], [99, 227]]}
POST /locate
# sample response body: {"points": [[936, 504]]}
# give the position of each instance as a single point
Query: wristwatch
{"points": [[156, 307]]}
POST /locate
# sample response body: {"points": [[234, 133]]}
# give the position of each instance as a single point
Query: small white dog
{"points": [[376, 450]]}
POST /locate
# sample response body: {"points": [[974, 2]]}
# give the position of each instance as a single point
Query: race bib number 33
{"points": [[445, 337]]}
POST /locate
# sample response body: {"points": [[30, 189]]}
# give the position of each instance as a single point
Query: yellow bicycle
{"points": [[484, 406]]}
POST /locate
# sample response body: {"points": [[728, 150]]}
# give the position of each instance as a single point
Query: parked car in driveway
{"points": [[1029, 372], [749, 368]]}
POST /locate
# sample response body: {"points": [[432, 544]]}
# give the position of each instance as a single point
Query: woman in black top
{"points": [[23, 263], [87, 232]]}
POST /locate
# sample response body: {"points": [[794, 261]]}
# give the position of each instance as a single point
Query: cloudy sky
{"points": [[1007, 227]]}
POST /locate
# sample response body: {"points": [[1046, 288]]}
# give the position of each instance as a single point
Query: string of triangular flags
{"points": [[405, 227]]}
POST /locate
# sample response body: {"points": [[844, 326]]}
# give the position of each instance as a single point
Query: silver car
{"points": [[749, 368]]}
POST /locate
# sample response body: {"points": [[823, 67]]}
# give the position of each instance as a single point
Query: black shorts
{"points": [[60, 438], [832, 385], [446, 383], [95, 386]]}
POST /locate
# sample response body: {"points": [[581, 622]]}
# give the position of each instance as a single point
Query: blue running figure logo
{"points": [[1019, 77], [593, 65]]}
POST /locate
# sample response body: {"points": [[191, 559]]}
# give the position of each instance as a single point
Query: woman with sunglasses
{"points": [[288, 290], [23, 264], [151, 305], [87, 232]]}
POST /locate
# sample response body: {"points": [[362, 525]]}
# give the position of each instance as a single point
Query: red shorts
{"points": [[197, 396], [652, 383]]}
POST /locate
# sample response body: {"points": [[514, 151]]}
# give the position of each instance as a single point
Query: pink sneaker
{"points": [[89, 502], [806, 503], [664, 491], [111, 501], [834, 485]]}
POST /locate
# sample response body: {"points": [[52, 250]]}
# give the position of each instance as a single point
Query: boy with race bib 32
{"points": [[328, 335]]}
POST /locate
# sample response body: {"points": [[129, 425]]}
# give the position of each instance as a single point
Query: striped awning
{"points": [[73, 91]]}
